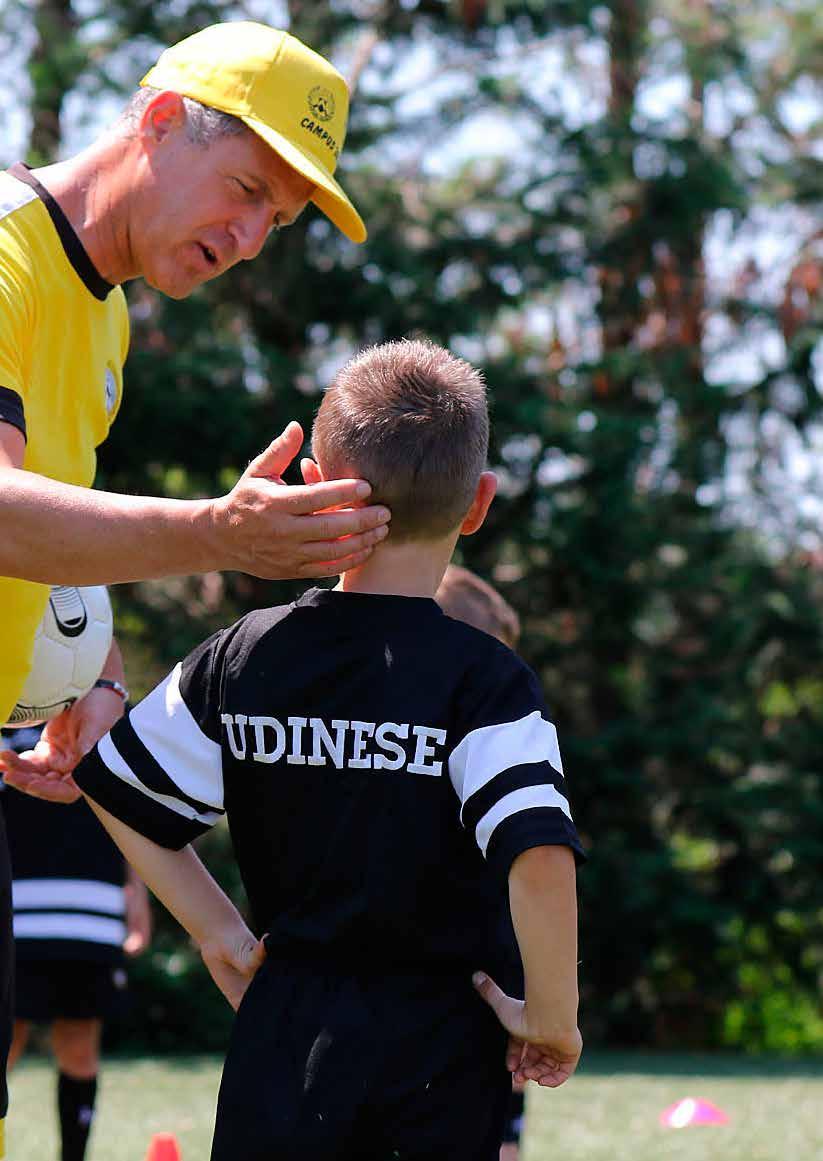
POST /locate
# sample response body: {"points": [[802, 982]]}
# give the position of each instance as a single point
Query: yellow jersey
{"points": [[64, 334]]}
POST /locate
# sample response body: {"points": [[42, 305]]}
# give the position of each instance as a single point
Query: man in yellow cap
{"points": [[233, 131]]}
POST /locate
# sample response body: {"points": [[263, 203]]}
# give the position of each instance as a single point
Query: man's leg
{"points": [[76, 1046], [6, 976]]}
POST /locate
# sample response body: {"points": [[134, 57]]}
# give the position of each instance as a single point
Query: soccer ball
{"points": [[70, 648]]}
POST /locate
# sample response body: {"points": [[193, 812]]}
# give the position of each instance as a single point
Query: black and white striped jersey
{"points": [[67, 877], [380, 765]]}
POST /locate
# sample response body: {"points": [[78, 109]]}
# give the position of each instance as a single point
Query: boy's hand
{"points": [[548, 1060], [233, 962]]}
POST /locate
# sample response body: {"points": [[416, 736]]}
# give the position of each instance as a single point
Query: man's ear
{"points": [[164, 114], [486, 488], [310, 471]]}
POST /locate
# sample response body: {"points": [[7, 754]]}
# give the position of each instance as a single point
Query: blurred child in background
{"points": [[78, 911]]}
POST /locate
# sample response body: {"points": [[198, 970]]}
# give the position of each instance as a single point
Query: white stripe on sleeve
{"points": [[48, 925], [110, 755], [79, 894], [165, 726], [519, 800], [489, 750]]}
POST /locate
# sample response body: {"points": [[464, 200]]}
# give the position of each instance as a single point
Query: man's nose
{"points": [[251, 231]]}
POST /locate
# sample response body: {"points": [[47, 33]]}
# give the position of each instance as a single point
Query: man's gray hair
{"points": [[203, 124]]}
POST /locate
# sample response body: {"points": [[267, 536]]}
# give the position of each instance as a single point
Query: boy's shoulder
{"points": [[496, 681], [487, 648]]}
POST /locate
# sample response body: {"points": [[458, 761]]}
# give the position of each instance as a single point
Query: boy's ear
{"points": [[311, 472], [486, 488]]}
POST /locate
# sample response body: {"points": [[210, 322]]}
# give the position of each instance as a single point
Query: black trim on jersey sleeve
{"points": [[74, 249], [164, 827], [515, 778], [166, 774], [506, 767], [11, 409], [542, 826], [151, 773]]}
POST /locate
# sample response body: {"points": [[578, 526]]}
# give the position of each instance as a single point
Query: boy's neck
{"points": [[412, 569]]}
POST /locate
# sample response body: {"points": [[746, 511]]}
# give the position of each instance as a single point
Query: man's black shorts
{"points": [[324, 1066]]}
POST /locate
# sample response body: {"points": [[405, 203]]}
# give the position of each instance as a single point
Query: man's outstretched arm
{"points": [[59, 534]]}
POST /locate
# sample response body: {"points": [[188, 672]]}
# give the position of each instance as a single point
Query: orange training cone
{"points": [[691, 1111], [163, 1147]]}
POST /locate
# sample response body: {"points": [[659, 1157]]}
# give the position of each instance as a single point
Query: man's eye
{"points": [[245, 188]]}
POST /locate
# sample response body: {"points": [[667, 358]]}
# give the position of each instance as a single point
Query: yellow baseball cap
{"points": [[287, 93]]}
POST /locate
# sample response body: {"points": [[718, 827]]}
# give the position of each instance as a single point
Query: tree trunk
{"points": [[53, 68]]}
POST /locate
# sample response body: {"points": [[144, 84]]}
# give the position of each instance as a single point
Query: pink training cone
{"points": [[692, 1111], [163, 1147]]}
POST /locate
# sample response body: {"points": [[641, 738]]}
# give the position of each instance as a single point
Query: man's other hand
{"points": [[45, 771]]}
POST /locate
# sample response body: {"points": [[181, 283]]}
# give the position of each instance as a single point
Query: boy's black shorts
{"points": [[324, 1066], [68, 989]]}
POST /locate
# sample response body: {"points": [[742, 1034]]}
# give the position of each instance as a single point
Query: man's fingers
{"points": [[334, 567], [53, 787], [331, 550], [274, 460], [304, 499]]}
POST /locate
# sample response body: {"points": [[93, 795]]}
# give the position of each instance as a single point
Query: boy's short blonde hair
{"points": [[463, 595], [412, 419]]}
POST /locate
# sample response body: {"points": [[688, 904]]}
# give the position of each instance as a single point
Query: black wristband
{"points": [[114, 686]]}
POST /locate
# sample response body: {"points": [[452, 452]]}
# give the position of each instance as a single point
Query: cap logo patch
{"points": [[321, 103]]}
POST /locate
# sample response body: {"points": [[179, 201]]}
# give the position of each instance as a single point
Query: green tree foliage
{"points": [[611, 208]]}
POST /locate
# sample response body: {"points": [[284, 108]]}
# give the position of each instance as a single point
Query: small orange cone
{"points": [[164, 1147], [692, 1111]]}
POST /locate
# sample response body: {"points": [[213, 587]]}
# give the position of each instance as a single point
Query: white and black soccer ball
{"points": [[70, 649]]}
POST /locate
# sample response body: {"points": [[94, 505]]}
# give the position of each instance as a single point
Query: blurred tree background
{"points": [[613, 208]]}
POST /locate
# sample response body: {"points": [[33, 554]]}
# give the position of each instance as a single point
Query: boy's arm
{"points": [[545, 1043], [184, 886], [138, 914]]}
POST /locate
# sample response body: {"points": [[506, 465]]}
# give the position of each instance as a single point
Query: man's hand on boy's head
{"points": [[270, 529], [549, 1059], [232, 960]]}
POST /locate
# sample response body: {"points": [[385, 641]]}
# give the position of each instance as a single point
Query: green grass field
{"points": [[608, 1112]]}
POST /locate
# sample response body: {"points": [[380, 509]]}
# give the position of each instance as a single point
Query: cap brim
{"points": [[328, 195]]}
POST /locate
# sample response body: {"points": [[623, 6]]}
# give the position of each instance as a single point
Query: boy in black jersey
{"points": [[388, 774]]}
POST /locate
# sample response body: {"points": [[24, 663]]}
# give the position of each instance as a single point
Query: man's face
{"points": [[201, 209]]}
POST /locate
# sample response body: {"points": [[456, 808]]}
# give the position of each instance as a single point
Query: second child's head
{"points": [[465, 596], [412, 419]]}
